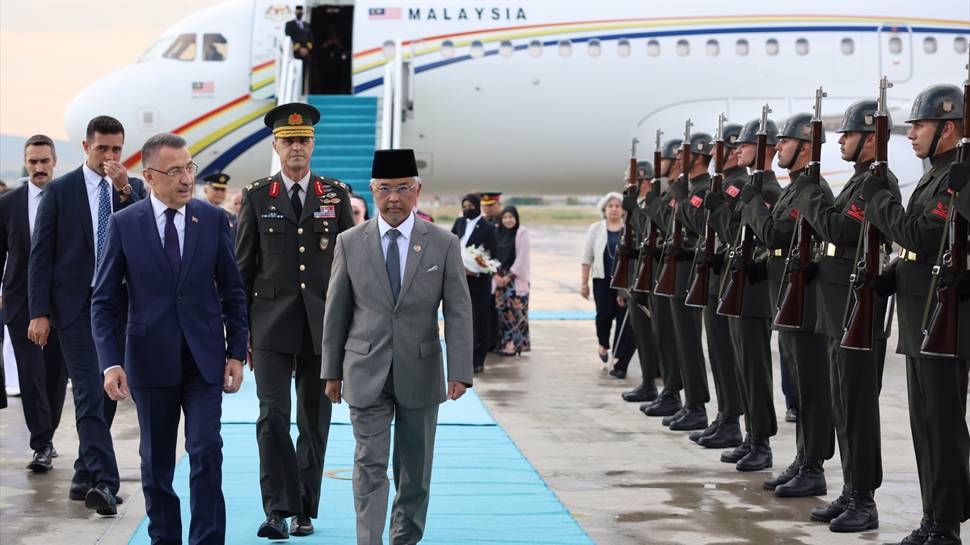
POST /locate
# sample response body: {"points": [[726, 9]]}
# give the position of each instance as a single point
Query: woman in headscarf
{"points": [[511, 285]]}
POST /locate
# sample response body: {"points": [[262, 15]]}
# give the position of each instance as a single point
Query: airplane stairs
{"points": [[346, 137]]}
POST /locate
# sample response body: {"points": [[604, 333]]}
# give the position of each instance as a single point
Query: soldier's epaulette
{"points": [[335, 182], [262, 182]]}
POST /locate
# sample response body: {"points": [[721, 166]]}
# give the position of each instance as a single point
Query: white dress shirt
{"points": [[159, 208], [303, 182], [34, 195], [402, 240], [469, 227], [91, 180]]}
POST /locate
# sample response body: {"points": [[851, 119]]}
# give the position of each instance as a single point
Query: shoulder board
{"points": [[334, 182], [260, 183]]}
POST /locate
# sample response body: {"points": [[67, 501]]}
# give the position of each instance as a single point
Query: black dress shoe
{"points": [[42, 462], [605, 357], [478, 369], [78, 491], [695, 418], [274, 527], [861, 514], [695, 436], [301, 525], [618, 373], [53, 452], [791, 415], [643, 392], [785, 476], [728, 435], [669, 419], [832, 509], [810, 481], [943, 533], [666, 405], [101, 500], [758, 458], [732, 456]]}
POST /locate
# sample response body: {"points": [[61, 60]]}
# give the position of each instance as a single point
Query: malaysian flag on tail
{"points": [[383, 13]]}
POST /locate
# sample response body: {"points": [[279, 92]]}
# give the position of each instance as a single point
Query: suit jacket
{"points": [[301, 38], [366, 335], [198, 304], [14, 253], [62, 248]]}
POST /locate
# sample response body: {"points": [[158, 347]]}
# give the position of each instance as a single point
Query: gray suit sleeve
{"points": [[336, 316], [456, 307]]}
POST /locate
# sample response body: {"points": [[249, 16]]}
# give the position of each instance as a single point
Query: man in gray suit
{"points": [[382, 347]]}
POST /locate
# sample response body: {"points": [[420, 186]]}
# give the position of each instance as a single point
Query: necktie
{"points": [[104, 212], [393, 263], [295, 201], [172, 241]]}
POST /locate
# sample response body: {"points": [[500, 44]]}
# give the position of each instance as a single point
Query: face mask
{"points": [[470, 213], [299, 15]]}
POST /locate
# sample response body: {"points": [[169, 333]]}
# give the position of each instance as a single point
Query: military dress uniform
{"points": [[220, 180], [937, 386], [284, 249]]}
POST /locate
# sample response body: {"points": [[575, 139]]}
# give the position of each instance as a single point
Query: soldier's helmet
{"points": [[860, 116], [937, 102], [701, 144], [644, 170], [670, 148], [799, 127], [731, 134], [749, 133]]}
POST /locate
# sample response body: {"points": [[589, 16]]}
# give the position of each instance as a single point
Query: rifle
{"points": [[667, 279], [621, 269], [648, 246], [731, 299], [859, 327], [697, 294], [791, 310], [941, 327]]}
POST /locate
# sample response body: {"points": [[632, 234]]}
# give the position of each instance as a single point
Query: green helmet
{"points": [[799, 127], [749, 133], [937, 102], [701, 144], [860, 116], [730, 135], [644, 170], [670, 148]]}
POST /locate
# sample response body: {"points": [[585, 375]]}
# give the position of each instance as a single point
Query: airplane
{"points": [[534, 96]]}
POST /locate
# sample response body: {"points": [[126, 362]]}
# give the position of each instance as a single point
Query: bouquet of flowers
{"points": [[477, 260]]}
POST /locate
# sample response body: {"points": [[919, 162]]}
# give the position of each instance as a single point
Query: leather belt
{"points": [[845, 252]]}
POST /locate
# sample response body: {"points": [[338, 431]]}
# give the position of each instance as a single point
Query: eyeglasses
{"points": [[401, 190], [176, 172]]}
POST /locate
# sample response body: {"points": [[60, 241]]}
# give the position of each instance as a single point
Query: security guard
{"points": [[855, 375], [937, 386], [216, 185], [287, 230], [776, 227], [638, 303], [751, 332], [668, 402]]}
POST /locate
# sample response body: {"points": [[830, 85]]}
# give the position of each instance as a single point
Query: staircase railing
{"points": [[394, 101], [289, 82]]}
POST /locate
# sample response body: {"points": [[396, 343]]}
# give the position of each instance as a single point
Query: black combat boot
{"points": [[694, 419], [667, 404], [861, 514], [919, 535], [809, 481], [696, 435], [784, 476], [943, 533], [727, 435], [834, 508], [758, 458], [646, 391], [667, 420], [732, 456]]}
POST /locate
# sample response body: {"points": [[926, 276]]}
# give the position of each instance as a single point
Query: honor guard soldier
{"points": [[216, 185], [492, 207], [750, 327], [855, 375], [668, 402], [287, 228], [937, 386]]}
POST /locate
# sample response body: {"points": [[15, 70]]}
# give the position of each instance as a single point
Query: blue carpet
{"points": [[556, 315]]}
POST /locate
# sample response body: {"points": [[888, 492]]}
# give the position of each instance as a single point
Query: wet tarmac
{"points": [[624, 477]]}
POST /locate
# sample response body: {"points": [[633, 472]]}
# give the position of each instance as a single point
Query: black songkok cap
{"points": [[393, 163]]}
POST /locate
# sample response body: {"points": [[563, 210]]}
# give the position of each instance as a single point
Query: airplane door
{"points": [[333, 27], [896, 52], [269, 18]]}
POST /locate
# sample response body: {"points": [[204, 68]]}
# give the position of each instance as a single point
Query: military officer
{"points": [[855, 376], [287, 229], [937, 386], [216, 185]]}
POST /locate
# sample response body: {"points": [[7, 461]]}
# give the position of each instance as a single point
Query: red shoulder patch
{"points": [[733, 191], [856, 213], [941, 210], [793, 214], [696, 201], [672, 203], [274, 189]]}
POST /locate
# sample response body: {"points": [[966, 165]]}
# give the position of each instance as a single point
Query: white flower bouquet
{"points": [[477, 260]]}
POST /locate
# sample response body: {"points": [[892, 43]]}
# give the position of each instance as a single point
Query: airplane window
{"points": [[477, 50], [960, 44], [653, 48], [388, 48], [506, 49], [713, 48], [535, 48], [895, 45], [623, 48], [593, 48], [565, 48], [182, 49], [929, 45], [683, 48], [156, 49], [771, 47], [742, 48], [214, 47], [848, 46], [801, 46], [447, 49]]}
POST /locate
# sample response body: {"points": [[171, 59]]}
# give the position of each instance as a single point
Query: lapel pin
{"points": [[417, 247], [195, 219]]}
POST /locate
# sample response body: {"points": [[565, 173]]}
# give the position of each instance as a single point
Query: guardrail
{"points": [[289, 82]]}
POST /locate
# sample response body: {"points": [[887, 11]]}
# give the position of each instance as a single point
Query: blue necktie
{"points": [[393, 263], [104, 212], [172, 241]]}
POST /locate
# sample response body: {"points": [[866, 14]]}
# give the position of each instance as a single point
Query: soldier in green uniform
{"points": [[855, 376], [937, 386], [751, 332], [776, 227], [216, 185], [288, 225]]}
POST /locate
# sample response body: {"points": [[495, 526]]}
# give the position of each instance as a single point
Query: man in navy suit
{"points": [[475, 230], [66, 245], [185, 340]]}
